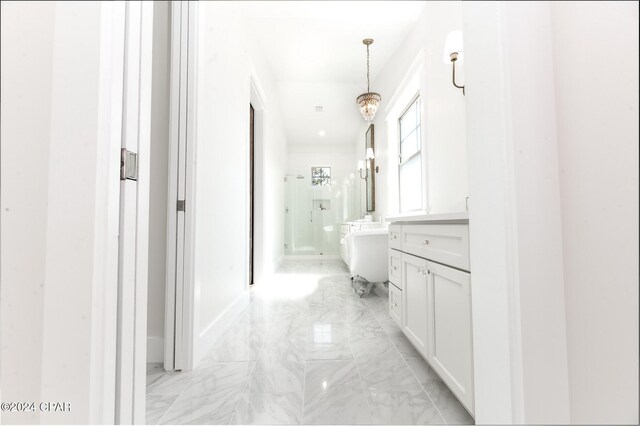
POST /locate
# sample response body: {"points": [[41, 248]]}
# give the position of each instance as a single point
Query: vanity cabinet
{"points": [[395, 286], [434, 287]]}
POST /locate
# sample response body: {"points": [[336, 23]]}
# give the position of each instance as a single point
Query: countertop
{"points": [[457, 217]]}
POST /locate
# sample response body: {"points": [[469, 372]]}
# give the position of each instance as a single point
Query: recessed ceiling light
{"points": [[322, 133], [319, 108]]}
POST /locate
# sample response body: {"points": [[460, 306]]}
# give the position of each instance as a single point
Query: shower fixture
{"points": [[298, 176]]}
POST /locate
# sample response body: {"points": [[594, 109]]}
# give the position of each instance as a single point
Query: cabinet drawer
{"points": [[448, 244], [395, 268], [394, 236], [395, 304]]}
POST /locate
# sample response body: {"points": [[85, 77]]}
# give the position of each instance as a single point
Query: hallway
{"points": [[307, 350]]}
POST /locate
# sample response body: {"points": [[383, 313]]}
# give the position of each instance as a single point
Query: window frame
{"points": [[415, 98], [418, 127], [328, 179]]}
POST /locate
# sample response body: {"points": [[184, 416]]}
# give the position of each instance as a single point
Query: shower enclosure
{"points": [[313, 214]]}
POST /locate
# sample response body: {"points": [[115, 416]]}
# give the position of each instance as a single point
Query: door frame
{"points": [[252, 178], [106, 252], [180, 312], [130, 389], [117, 383], [117, 379]]}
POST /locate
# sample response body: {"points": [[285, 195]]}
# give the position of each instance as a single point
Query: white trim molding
{"points": [[208, 337], [107, 214]]}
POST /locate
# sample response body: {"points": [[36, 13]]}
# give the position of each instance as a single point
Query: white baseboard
{"points": [[155, 349], [218, 326]]}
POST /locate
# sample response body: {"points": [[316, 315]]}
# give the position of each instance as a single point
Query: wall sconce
{"points": [[368, 157], [453, 52]]}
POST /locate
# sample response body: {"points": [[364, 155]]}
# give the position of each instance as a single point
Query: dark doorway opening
{"points": [[251, 191]]}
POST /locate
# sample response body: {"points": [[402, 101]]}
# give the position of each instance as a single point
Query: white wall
{"points": [[555, 317], [595, 53], [271, 161], [443, 115], [159, 181], [26, 100], [226, 63], [52, 172], [340, 158]]}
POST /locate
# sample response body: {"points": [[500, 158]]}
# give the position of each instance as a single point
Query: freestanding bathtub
{"points": [[367, 258]]}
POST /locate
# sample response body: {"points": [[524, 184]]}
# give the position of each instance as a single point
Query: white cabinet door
{"points": [[414, 301], [450, 339]]}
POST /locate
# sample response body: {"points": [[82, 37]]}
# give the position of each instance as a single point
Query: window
{"points": [[320, 176], [410, 169]]}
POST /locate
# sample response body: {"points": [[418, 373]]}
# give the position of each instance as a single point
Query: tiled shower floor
{"points": [[307, 350]]}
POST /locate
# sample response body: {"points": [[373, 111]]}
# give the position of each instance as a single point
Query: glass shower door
{"points": [[310, 218], [299, 232]]}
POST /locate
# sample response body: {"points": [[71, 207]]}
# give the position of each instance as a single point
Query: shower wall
{"points": [[313, 214]]}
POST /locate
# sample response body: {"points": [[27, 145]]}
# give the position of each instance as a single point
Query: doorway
{"points": [[251, 190]]}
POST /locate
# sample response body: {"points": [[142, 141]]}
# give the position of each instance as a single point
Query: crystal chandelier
{"points": [[368, 101]]}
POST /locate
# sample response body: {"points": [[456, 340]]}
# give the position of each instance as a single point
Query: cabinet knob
{"points": [[393, 268], [395, 304], [425, 242]]}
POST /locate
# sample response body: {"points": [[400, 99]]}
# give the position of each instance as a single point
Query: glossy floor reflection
{"points": [[307, 350]]}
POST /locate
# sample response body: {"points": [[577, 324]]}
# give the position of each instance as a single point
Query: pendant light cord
{"points": [[368, 84]]}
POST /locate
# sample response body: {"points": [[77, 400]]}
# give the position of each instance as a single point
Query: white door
{"points": [[450, 349], [134, 216], [414, 301]]}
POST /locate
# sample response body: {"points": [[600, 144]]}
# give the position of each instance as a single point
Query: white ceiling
{"points": [[315, 51]]}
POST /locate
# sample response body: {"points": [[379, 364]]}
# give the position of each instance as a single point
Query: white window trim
{"points": [[411, 86], [414, 99]]}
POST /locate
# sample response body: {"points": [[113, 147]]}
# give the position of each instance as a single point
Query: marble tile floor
{"points": [[307, 350]]}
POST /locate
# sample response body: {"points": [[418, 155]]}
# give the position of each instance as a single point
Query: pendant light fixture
{"points": [[368, 101]]}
